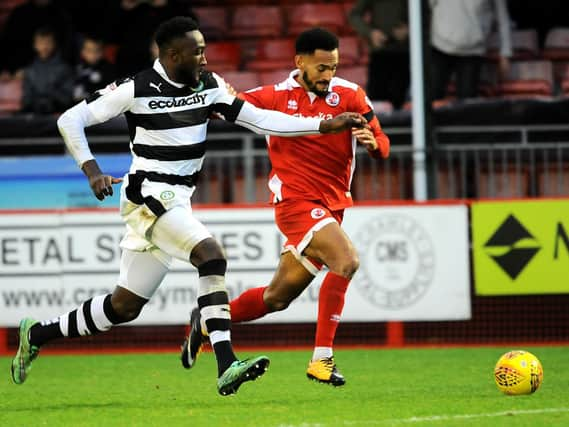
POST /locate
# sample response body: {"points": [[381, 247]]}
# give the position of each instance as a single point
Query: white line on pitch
{"points": [[414, 420]]}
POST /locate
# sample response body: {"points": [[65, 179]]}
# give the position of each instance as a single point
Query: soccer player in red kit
{"points": [[310, 184]]}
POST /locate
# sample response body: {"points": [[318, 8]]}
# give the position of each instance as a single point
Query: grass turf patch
{"points": [[424, 387]]}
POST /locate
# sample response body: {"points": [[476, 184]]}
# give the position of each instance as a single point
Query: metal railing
{"points": [[465, 162]]}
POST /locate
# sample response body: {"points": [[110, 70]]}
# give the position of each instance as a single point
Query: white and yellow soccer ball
{"points": [[518, 372]]}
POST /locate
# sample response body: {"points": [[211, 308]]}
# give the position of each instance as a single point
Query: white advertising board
{"points": [[414, 263]]}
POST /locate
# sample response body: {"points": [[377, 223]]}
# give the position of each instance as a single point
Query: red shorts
{"points": [[299, 219]]}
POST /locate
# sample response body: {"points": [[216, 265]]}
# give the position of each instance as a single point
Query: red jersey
{"points": [[315, 167]]}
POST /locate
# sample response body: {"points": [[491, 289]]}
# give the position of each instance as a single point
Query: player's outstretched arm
{"points": [[269, 122], [342, 122]]}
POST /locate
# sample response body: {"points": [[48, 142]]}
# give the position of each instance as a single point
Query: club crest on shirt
{"points": [[292, 104], [317, 213], [332, 99], [167, 195]]}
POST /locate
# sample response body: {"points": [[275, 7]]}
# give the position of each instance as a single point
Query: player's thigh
{"points": [[177, 232], [289, 280], [141, 273], [331, 245]]}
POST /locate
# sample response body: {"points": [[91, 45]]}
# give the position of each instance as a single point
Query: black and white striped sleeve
{"points": [[265, 122]]}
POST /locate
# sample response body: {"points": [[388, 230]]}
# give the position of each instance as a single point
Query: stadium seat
{"points": [[10, 96], [272, 54], [213, 21], [553, 180], [356, 74], [556, 47], [350, 53], [223, 56], [327, 15], [6, 7], [525, 45], [382, 107], [502, 183], [256, 21], [267, 78], [242, 80], [528, 78], [561, 71]]}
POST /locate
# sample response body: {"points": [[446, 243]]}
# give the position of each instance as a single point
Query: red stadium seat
{"points": [[356, 74], [241, 80], [525, 45], [223, 56], [556, 46], [6, 7], [267, 78], [561, 70], [553, 180], [327, 15], [273, 54], [528, 78], [503, 183], [213, 21], [10, 96], [256, 21], [350, 53]]}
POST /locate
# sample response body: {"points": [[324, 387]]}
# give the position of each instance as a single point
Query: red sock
{"points": [[330, 305], [249, 305]]}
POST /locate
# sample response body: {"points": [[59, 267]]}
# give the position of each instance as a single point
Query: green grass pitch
{"points": [[408, 387]]}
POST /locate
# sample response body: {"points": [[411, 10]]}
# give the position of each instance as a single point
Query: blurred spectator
{"points": [[48, 81], [133, 30], [459, 34], [20, 27], [90, 17], [93, 71], [387, 34]]}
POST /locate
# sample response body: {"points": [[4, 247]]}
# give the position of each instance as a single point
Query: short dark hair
{"points": [[173, 29], [315, 38], [45, 31]]}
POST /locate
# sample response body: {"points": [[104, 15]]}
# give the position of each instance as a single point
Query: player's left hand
{"points": [[365, 137], [343, 122]]}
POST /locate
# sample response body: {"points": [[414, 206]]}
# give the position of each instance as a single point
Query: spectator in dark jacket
{"points": [[18, 32], [93, 71], [48, 81], [387, 34]]}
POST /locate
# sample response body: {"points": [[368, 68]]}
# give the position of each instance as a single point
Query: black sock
{"points": [[225, 356], [40, 334]]}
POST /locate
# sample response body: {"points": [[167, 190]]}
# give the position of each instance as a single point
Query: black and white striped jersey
{"points": [[167, 121]]}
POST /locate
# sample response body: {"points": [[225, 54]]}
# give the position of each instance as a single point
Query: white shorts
{"points": [[163, 222]]}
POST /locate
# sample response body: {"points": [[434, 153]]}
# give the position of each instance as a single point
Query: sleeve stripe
{"points": [[230, 112], [369, 115]]}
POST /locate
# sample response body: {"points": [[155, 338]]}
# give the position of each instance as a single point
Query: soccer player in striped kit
{"points": [[167, 108], [311, 188]]}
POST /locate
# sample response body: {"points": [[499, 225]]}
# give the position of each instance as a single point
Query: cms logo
{"points": [[391, 250]]}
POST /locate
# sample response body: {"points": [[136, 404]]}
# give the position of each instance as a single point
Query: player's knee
{"points": [[206, 250], [348, 266]]}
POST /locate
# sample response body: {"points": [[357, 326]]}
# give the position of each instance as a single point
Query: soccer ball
{"points": [[518, 372]]}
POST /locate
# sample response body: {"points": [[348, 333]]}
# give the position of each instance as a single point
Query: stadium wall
{"points": [[434, 273]]}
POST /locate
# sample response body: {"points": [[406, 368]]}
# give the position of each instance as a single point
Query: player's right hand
{"points": [[342, 122], [102, 185]]}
